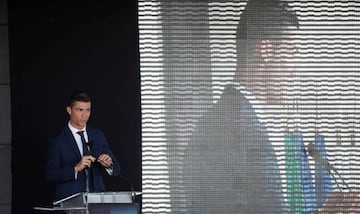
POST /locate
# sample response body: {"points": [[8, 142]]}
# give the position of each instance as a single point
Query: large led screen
{"points": [[250, 106]]}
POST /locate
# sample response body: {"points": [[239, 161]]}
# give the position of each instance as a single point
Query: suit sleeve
{"points": [[105, 148]]}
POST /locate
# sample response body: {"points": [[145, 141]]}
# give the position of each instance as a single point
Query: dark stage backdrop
{"points": [[57, 47]]}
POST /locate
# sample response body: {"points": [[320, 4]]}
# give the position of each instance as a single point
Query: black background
{"points": [[57, 47]]}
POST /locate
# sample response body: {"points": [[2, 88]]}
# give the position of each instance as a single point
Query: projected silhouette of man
{"points": [[230, 166]]}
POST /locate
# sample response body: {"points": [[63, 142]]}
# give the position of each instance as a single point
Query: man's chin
{"points": [[82, 125]]}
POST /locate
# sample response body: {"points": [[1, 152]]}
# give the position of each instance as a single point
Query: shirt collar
{"points": [[75, 130]]}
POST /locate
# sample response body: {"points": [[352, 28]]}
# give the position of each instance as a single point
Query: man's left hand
{"points": [[105, 160]]}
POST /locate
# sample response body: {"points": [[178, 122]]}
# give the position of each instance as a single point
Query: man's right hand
{"points": [[85, 161]]}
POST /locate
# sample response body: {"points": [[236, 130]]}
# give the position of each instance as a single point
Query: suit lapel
{"points": [[92, 137], [70, 138]]}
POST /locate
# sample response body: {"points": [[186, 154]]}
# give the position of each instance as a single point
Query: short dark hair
{"points": [[260, 20], [78, 96]]}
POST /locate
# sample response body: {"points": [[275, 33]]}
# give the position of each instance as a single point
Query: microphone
{"points": [[316, 155], [89, 148]]}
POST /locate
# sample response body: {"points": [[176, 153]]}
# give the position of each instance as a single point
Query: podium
{"points": [[94, 203]]}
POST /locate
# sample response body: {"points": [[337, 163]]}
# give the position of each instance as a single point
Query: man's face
{"points": [[79, 114], [270, 72]]}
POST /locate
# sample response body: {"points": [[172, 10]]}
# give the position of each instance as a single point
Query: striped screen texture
{"points": [[250, 106]]}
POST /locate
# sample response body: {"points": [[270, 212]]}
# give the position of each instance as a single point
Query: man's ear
{"points": [[68, 109]]}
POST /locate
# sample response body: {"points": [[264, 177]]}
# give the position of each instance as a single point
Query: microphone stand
{"points": [[130, 185], [90, 170], [326, 165]]}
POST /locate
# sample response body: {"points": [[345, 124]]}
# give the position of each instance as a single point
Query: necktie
{"points": [[84, 145], [86, 151]]}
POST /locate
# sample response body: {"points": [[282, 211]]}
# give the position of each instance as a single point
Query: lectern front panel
{"points": [[131, 208]]}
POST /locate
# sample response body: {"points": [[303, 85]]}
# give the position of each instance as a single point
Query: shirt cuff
{"points": [[109, 170]]}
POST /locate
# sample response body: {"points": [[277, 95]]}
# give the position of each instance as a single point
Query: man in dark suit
{"points": [[230, 165], [80, 153]]}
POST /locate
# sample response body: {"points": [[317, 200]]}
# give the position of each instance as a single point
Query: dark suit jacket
{"points": [[63, 155], [229, 165]]}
